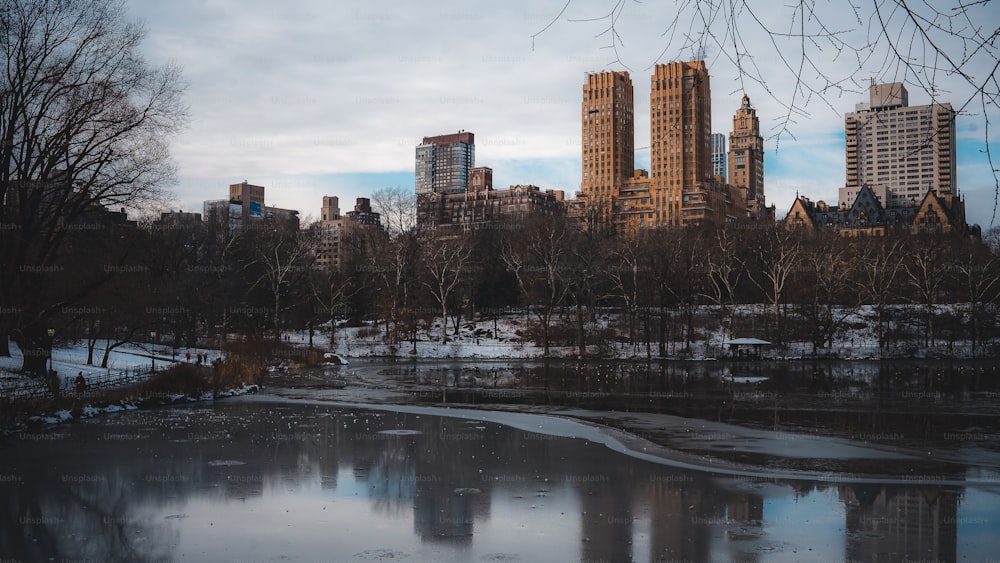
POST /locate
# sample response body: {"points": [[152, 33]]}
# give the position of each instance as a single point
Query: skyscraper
{"points": [[899, 150], [719, 157], [608, 140], [680, 107], [680, 187], [443, 163], [746, 156]]}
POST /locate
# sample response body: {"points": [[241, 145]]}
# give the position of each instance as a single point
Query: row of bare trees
{"points": [[656, 281], [191, 281]]}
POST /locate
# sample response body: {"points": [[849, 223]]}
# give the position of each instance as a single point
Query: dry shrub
{"points": [[184, 378], [368, 332]]}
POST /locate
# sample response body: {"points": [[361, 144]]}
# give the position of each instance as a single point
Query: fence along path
{"points": [[30, 389]]}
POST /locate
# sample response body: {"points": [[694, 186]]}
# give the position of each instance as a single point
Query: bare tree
{"points": [[827, 277], [386, 268], [330, 287], [779, 252], [446, 260], [726, 268], [84, 123], [879, 262], [625, 275], [284, 258], [398, 208], [927, 268], [978, 271], [676, 276], [538, 257], [586, 268]]}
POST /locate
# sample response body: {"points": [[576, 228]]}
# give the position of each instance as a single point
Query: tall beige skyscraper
{"points": [[680, 108], [608, 140], [746, 156], [898, 150]]}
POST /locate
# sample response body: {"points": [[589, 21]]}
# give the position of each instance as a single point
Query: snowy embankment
{"points": [[70, 359], [854, 338], [91, 411]]}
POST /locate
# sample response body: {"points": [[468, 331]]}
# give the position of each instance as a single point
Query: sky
{"points": [[311, 98]]}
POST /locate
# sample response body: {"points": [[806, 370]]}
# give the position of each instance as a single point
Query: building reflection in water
{"points": [[894, 523], [459, 481]]}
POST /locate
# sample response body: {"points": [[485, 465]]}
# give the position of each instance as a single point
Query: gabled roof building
{"points": [[866, 216]]}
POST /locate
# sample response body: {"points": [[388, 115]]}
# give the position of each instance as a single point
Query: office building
{"points": [[250, 198], [245, 209], [443, 163], [898, 149]]}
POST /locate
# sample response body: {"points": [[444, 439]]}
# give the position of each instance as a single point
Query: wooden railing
{"points": [[33, 389]]}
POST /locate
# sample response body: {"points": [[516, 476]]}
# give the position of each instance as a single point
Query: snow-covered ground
{"points": [[504, 339], [70, 359], [856, 339]]}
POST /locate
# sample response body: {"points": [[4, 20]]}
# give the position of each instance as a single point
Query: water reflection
{"points": [[258, 481]]}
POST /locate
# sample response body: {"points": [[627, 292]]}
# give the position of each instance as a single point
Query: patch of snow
{"points": [[225, 463]]}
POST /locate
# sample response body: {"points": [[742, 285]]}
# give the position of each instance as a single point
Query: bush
{"points": [[184, 378]]}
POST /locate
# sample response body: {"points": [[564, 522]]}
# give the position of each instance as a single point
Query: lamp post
{"points": [[52, 336], [152, 355]]}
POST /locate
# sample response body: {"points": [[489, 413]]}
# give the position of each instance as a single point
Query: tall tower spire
{"points": [[746, 156]]}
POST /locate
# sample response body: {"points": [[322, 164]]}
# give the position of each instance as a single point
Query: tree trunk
{"points": [[878, 325], [663, 333], [545, 333], [91, 341], [36, 347], [277, 314], [444, 323], [4, 341], [929, 338]]}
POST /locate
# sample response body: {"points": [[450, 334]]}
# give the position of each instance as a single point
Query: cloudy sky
{"points": [[311, 98]]}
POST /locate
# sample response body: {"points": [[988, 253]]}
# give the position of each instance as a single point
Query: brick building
{"points": [[483, 207]]}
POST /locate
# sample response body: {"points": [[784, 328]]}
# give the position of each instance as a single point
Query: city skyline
{"points": [[317, 100]]}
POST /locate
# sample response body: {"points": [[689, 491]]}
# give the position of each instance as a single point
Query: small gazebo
{"points": [[747, 347]]}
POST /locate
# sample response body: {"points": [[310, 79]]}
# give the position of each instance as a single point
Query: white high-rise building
{"points": [[898, 149]]}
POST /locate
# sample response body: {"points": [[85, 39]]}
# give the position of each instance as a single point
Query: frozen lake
{"points": [[271, 479]]}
